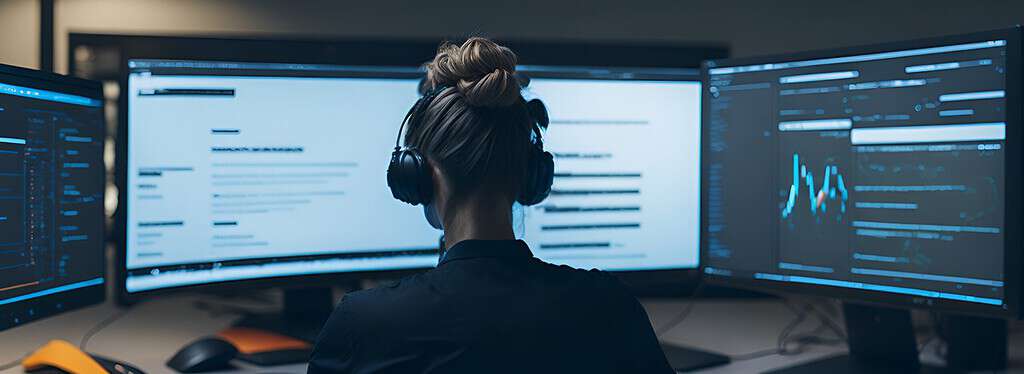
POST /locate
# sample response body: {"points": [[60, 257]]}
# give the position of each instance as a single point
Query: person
{"points": [[489, 306]]}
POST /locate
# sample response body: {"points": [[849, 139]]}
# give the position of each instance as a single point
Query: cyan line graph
{"points": [[818, 199]]}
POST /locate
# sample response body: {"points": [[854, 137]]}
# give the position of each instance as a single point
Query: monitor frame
{"points": [[50, 305], [1013, 163], [365, 52]]}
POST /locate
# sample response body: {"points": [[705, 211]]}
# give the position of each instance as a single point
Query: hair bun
{"points": [[483, 71]]}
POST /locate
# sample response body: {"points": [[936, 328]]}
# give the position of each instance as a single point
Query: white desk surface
{"points": [[153, 331]]}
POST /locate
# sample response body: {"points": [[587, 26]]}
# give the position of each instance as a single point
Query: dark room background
{"points": [[749, 27]]}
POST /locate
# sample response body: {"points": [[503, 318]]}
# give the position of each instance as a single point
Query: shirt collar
{"points": [[486, 249]]}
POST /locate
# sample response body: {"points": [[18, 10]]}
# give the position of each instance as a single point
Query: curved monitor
{"points": [[51, 194], [884, 173], [243, 171]]}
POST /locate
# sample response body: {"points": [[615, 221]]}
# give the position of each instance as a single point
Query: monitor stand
{"points": [[881, 340], [976, 343], [303, 312], [683, 358], [285, 337]]}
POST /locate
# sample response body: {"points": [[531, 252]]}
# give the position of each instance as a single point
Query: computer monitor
{"points": [[358, 52], [246, 171], [52, 184], [240, 171], [626, 143], [884, 174], [247, 174]]}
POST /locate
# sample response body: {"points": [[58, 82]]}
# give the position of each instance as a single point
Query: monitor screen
{"points": [[880, 172], [52, 180], [627, 168], [241, 171]]}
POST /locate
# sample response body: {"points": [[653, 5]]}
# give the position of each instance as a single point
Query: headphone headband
{"points": [[421, 104], [409, 176]]}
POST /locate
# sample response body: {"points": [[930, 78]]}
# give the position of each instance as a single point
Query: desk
{"points": [[151, 332]]}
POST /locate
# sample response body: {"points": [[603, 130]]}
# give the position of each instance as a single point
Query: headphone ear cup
{"points": [[538, 112], [409, 177], [540, 175]]}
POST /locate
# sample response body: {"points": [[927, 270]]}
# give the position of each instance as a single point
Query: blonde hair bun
{"points": [[483, 71]]}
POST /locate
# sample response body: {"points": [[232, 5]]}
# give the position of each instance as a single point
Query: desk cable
{"points": [[99, 326], [786, 337], [681, 316], [85, 337], [13, 364]]}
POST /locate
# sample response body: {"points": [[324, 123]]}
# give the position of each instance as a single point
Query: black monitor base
{"points": [[975, 343], [689, 359], [289, 335], [882, 341], [303, 314]]}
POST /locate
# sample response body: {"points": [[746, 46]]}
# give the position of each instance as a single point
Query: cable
{"points": [[826, 319], [676, 321], [777, 350], [12, 364], [681, 316], [786, 336], [800, 316], [121, 312], [935, 334], [100, 326], [782, 342], [754, 354], [808, 339], [812, 337]]}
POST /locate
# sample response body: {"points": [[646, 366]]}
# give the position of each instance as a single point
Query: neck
{"points": [[478, 217]]}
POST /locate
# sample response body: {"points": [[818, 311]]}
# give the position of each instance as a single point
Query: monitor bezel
{"points": [[1012, 218], [368, 53], [51, 305]]}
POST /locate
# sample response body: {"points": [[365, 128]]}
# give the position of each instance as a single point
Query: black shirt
{"points": [[491, 307]]}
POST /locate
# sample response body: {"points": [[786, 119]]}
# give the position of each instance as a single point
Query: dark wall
{"points": [[752, 27]]}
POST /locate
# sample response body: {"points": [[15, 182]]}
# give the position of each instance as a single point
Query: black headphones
{"points": [[409, 176]]}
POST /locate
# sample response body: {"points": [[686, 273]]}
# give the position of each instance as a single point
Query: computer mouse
{"points": [[116, 367], [61, 357], [205, 354], [111, 367]]}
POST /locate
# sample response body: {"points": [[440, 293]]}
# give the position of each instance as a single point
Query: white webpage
{"points": [[282, 166], [627, 175]]}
